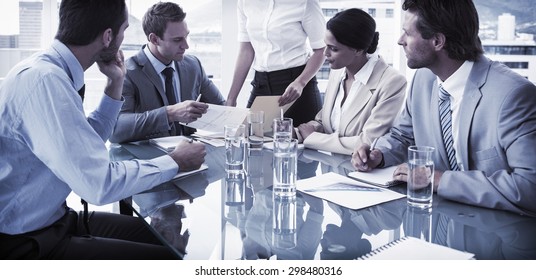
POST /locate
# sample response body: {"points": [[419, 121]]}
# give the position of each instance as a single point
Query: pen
{"points": [[196, 100], [373, 145]]}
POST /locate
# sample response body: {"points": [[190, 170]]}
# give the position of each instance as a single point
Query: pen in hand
{"points": [[196, 100], [373, 145]]}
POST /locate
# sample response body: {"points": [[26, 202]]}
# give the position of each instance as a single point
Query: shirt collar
{"points": [[455, 84], [71, 64], [363, 75], [157, 64]]}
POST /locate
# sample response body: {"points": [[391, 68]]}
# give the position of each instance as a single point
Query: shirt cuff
{"points": [[109, 107], [168, 167]]}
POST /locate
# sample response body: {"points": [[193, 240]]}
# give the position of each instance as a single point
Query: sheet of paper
{"points": [[382, 177], [345, 191], [217, 116], [270, 105]]}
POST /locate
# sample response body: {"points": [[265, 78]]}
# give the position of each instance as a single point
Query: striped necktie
{"points": [[445, 117]]}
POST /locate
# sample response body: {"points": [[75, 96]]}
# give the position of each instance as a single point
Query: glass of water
{"points": [[420, 176], [235, 148], [255, 130], [282, 128], [285, 166]]}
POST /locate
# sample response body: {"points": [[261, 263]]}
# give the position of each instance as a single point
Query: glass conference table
{"points": [[212, 215]]}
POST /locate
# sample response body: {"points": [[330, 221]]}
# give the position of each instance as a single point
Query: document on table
{"points": [[381, 177], [345, 191], [217, 116], [270, 106], [411, 248]]}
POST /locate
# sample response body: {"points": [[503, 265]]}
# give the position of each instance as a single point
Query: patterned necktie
{"points": [[170, 93], [445, 117]]}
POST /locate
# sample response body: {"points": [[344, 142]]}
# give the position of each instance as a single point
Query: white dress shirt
{"points": [[455, 86], [279, 29]]}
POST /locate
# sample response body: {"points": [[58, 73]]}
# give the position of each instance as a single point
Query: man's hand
{"points": [[363, 159], [186, 111], [402, 171], [115, 70], [189, 156]]}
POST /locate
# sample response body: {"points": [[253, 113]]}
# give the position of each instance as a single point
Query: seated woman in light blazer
{"points": [[363, 94]]}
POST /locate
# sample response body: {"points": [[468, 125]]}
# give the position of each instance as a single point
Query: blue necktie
{"points": [[445, 117]]}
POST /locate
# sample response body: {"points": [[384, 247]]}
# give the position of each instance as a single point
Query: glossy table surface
{"points": [[213, 215]]}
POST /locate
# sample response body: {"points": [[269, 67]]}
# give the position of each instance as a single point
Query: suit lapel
{"points": [[364, 94], [333, 87], [471, 98], [148, 69]]}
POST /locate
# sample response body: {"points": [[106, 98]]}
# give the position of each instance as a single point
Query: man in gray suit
{"points": [[148, 112], [493, 113]]}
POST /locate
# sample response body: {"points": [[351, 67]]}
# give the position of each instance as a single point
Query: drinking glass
{"points": [[420, 176], [235, 148]]}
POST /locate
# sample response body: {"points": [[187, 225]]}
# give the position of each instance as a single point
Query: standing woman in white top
{"points": [[273, 37], [363, 95]]}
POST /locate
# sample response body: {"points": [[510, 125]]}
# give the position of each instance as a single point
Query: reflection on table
{"points": [[212, 215]]}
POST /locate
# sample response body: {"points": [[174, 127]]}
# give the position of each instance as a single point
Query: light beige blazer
{"points": [[375, 109]]}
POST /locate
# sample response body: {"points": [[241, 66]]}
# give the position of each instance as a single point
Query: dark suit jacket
{"points": [[143, 115], [497, 137]]}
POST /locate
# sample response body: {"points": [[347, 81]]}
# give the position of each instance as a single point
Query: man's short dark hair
{"points": [[157, 16], [81, 22], [456, 19]]}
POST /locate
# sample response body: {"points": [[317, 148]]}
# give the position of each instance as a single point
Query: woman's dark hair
{"points": [[81, 22], [456, 19], [156, 18], [354, 28]]}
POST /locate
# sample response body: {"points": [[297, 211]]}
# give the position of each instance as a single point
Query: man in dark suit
{"points": [[493, 160], [149, 110]]}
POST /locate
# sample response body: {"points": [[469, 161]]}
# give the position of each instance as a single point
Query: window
{"points": [[389, 13], [372, 12]]}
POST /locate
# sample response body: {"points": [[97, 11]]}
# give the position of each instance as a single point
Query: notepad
{"points": [[411, 248], [381, 177], [168, 144]]}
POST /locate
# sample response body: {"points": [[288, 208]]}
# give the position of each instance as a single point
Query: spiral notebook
{"points": [[411, 248]]}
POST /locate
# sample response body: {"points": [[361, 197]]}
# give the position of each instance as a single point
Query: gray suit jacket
{"points": [[497, 137], [143, 115]]}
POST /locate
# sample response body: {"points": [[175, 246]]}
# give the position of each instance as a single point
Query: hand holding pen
{"points": [[366, 158], [186, 111]]}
